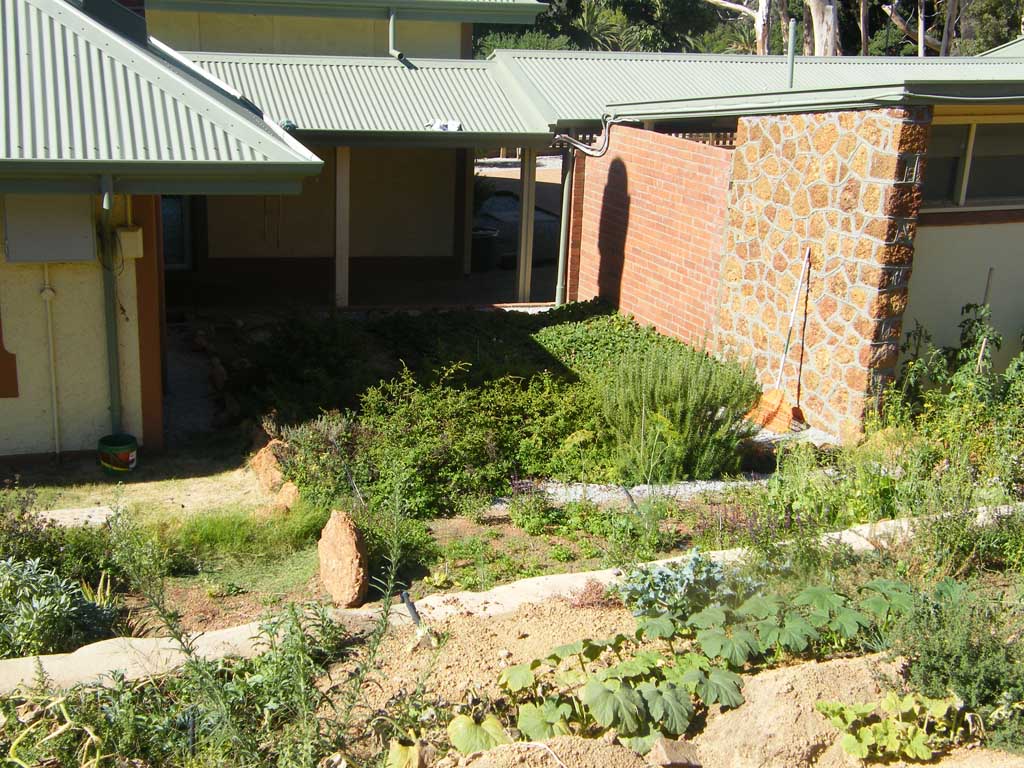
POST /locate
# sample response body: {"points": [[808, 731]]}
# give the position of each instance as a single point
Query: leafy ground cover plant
{"points": [[460, 417], [911, 727], [959, 637], [41, 612]]}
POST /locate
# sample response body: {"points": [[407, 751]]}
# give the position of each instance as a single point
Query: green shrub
{"points": [[564, 435], [77, 554], [533, 513], [678, 413], [41, 612], [319, 456], [240, 712], [438, 443], [958, 639], [595, 344], [387, 535]]}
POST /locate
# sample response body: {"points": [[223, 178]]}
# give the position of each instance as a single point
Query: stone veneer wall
{"points": [[844, 185]]}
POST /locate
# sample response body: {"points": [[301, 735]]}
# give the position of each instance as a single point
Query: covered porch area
{"points": [[399, 215]]}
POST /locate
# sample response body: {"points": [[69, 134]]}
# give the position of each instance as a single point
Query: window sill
{"points": [[960, 217]]}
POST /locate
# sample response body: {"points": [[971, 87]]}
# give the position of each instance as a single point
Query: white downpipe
{"points": [[48, 295], [393, 36]]}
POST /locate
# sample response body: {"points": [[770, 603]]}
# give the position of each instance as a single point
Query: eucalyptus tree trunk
{"points": [[825, 19], [808, 32], [783, 9], [922, 48], [949, 28], [865, 32], [759, 14]]}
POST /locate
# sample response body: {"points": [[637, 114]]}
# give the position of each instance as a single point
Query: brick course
{"points": [[648, 230]]}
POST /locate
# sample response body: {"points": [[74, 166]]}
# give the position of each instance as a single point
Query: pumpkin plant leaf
{"points": [[759, 607], [821, 599], [468, 736], [515, 679], [656, 627], [712, 616], [636, 666], [717, 686], [614, 704], [540, 722], [402, 755], [848, 622], [669, 706], [563, 652]]}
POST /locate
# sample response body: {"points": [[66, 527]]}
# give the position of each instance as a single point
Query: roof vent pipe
{"points": [[392, 47], [791, 51]]}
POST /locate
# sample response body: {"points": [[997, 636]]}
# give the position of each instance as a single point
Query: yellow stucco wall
{"points": [[403, 203], [950, 269], [277, 226], [245, 33], [26, 422]]}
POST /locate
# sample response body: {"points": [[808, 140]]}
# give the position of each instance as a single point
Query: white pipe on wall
{"points": [[48, 295]]}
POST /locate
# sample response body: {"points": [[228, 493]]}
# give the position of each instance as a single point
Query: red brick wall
{"points": [[651, 230]]}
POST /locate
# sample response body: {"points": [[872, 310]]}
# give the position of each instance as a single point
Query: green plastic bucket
{"points": [[118, 453]]}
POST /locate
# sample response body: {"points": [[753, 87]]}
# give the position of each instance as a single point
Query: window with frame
{"points": [[975, 166]]}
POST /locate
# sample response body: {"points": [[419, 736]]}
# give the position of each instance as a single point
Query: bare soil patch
{"points": [[477, 649], [564, 750]]}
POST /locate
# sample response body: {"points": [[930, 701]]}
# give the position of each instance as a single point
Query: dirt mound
{"points": [[778, 726], [478, 648], [568, 751]]}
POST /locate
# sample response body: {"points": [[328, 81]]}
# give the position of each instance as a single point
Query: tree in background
{"points": [[827, 27], [528, 40]]}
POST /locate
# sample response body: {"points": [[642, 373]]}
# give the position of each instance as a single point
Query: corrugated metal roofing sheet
{"points": [[578, 86], [74, 91], [380, 96], [492, 11], [1012, 49]]}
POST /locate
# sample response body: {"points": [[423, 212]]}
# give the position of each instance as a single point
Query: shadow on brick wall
{"points": [[611, 238]]}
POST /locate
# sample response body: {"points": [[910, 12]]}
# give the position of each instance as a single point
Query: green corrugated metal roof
{"points": [[78, 100], [483, 11], [575, 87], [817, 100], [382, 99], [1012, 49]]}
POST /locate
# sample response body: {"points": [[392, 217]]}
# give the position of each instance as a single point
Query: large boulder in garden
{"points": [[343, 568], [267, 468]]}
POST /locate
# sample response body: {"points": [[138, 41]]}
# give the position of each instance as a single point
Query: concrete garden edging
{"points": [[139, 658]]}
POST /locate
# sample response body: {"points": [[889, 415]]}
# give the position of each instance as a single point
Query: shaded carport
{"points": [[395, 202]]}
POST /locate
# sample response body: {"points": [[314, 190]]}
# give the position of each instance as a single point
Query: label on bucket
{"points": [[119, 461]]}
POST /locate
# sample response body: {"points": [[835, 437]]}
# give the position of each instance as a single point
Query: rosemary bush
{"points": [[678, 413]]}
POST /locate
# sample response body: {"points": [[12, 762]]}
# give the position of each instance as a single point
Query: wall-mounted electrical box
{"points": [[129, 242], [48, 229]]}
